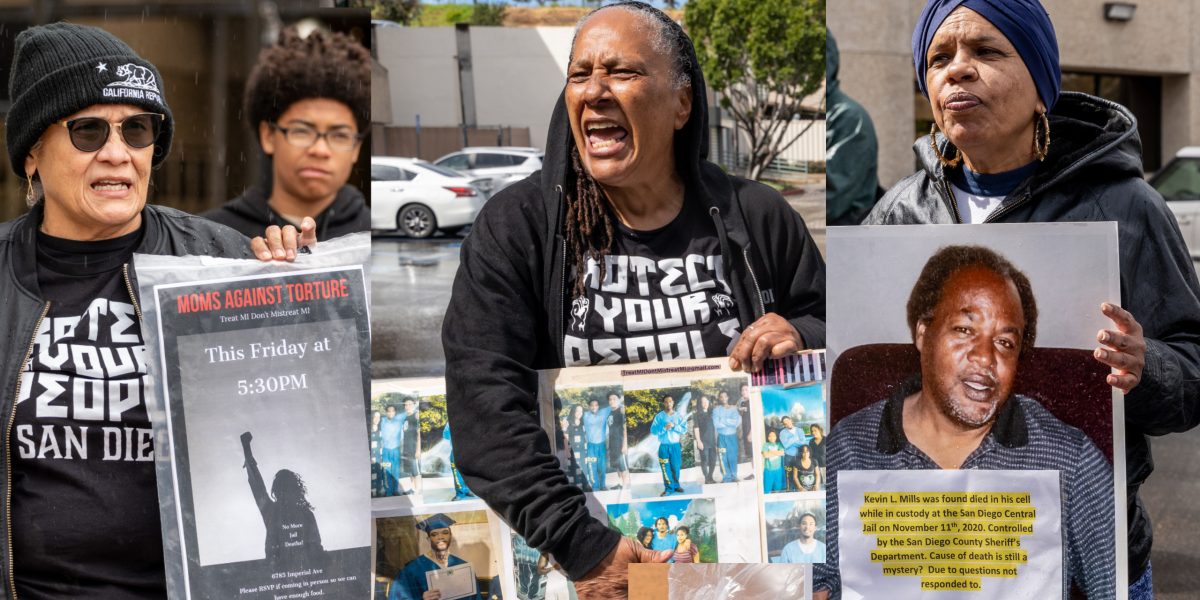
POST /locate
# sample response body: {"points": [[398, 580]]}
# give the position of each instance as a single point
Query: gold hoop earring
{"points": [[948, 163], [1043, 148]]}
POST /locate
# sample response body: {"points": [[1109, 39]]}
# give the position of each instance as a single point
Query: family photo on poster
{"points": [[412, 456], [449, 555]]}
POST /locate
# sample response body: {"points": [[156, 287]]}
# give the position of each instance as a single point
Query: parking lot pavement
{"points": [[410, 289], [1171, 497]]}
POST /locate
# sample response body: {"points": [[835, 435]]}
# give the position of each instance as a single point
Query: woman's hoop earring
{"points": [[1041, 143], [948, 163]]}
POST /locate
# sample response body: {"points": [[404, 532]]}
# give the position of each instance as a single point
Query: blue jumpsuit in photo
{"points": [[726, 420], [670, 453], [391, 436], [595, 427]]}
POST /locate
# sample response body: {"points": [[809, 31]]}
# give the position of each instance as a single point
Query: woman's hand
{"points": [[610, 579], [769, 337], [281, 243], [1124, 348]]}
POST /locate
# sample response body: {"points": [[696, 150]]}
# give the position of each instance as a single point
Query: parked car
{"points": [[503, 165], [1179, 184], [419, 198]]}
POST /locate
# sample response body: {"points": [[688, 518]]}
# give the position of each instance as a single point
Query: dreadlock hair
{"points": [[589, 224], [321, 65]]}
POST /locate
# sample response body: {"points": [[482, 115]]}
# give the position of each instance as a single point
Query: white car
{"points": [[418, 198], [1179, 184], [503, 165]]}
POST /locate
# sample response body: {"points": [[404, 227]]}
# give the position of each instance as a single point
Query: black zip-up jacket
{"points": [[167, 232], [250, 214], [505, 321], [1094, 173]]}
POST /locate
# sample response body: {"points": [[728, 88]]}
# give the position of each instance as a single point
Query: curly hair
{"points": [[289, 488], [589, 224], [321, 65], [948, 260]]}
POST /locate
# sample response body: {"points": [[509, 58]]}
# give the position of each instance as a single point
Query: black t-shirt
{"points": [[85, 518], [664, 296], [704, 422], [412, 430], [616, 429]]}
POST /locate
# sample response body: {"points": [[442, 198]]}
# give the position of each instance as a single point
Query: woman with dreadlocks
{"points": [[628, 246]]}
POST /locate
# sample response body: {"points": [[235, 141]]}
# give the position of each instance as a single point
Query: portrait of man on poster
{"points": [[972, 314]]}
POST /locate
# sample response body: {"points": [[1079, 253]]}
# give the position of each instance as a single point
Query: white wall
{"points": [[518, 74]]}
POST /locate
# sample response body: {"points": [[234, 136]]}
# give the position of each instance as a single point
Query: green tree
{"points": [[764, 58], [400, 11], [486, 13]]}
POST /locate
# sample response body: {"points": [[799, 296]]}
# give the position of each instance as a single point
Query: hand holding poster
{"points": [[262, 462]]}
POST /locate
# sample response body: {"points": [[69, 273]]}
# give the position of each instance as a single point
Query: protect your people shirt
{"points": [[663, 295]]}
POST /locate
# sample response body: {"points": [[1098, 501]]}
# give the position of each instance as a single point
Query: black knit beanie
{"points": [[61, 69]]}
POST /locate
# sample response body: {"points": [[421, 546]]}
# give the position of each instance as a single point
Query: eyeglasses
{"points": [[89, 134], [302, 136]]}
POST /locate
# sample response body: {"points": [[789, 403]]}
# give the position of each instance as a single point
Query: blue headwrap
{"points": [[1025, 24]]}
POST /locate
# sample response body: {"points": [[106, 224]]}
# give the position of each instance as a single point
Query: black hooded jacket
{"points": [[1093, 172], [506, 320], [251, 215]]}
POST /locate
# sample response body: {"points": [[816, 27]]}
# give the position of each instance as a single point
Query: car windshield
{"points": [[437, 169], [1180, 181]]}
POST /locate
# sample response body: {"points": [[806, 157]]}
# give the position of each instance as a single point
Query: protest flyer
{"points": [[449, 548], [961, 534], [263, 475], [988, 330], [412, 457]]}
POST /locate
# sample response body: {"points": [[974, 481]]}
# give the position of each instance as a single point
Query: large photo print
{"points": [[964, 349]]}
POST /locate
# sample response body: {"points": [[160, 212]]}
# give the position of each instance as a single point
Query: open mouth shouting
{"points": [[605, 137]]}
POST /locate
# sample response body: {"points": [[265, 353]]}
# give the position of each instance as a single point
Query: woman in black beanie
{"points": [[87, 124]]}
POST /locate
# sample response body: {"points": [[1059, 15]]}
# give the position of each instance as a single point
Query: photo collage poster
{"points": [[250, 508], [431, 532], [979, 320], [790, 425], [691, 455], [670, 454]]}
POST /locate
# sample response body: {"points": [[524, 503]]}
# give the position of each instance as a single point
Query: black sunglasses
{"points": [[89, 134]]}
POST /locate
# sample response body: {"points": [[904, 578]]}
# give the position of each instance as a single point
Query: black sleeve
{"points": [[1159, 287], [491, 336], [796, 266], [802, 285]]}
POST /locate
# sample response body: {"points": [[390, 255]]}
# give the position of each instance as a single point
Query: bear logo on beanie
{"points": [[139, 83], [136, 76]]}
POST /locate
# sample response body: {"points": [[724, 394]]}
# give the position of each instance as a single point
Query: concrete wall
{"points": [[876, 63], [518, 74]]}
